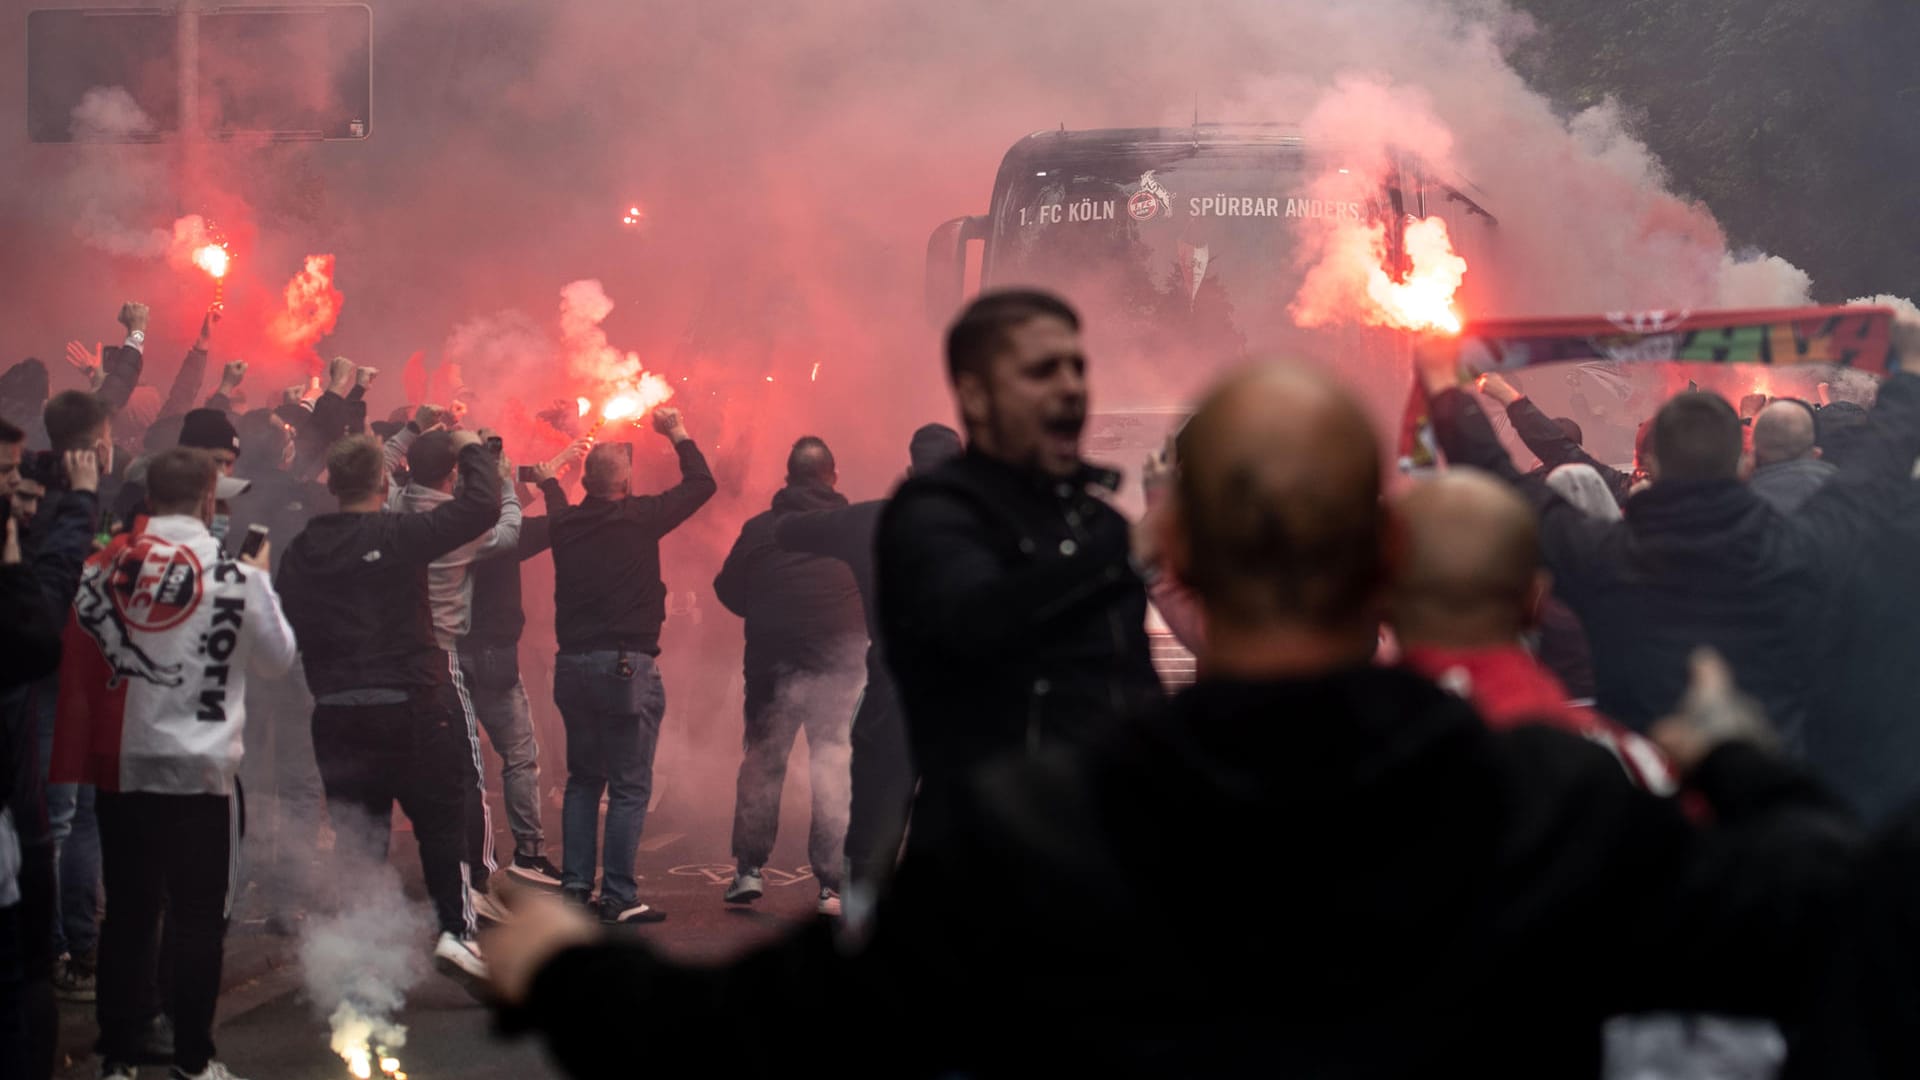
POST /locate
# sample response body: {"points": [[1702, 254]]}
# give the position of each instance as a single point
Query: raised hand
{"points": [[666, 421], [86, 363], [133, 316]]}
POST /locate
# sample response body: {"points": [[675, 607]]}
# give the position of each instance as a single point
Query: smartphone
{"points": [[256, 539], [529, 474], [626, 451], [495, 444]]}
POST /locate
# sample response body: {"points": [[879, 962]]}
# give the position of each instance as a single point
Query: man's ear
{"points": [[976, 401], [1537, 593]]}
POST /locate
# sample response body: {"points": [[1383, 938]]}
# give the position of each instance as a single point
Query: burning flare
{"points": [[213, 258], [1350, 282]]}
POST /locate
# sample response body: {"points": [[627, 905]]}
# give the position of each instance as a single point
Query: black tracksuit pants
{"points": [[882, 781], [415, 753], [171, 854]]}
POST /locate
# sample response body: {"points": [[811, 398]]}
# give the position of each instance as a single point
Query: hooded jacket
{"points": [[355, 586], [165, 629], [801, 610], [1786, 485], [1446, 901], [1705, 563], [450, 578], [1011, 614]]}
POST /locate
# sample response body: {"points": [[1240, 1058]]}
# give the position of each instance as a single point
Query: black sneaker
{"points": [[535, 870], [632, 915]]}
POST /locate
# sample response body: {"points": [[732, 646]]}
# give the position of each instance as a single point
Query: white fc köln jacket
{"points": [[153, 679]]}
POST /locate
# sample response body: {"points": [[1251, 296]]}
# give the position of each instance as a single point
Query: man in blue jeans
{"points": [[609, 605]]}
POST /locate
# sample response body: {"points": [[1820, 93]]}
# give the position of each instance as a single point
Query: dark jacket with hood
{"points": [[1706, 563], [801, 610], [1010, 612], [1452, 901], [354, 586], [1786, 485]]}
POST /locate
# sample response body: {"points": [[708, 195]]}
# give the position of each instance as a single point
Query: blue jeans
{"points": [[76, 843], [611, 704]]}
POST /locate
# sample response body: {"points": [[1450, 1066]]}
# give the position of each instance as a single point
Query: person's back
{"points": [[797, 607], [606, 559], [1788, 466], [609, 606]]}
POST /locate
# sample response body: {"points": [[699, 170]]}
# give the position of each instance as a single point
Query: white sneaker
{"points": [[459, 959], [486, 907], [213, 1071], [746, 887], [830, 903]]}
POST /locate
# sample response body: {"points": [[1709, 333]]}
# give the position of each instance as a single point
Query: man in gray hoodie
{"points": [[431, 464]]}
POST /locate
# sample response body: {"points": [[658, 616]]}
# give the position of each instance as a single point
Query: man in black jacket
{"points": [[880, 776], [1699, 559], [1452, 900], [386, 726], [1011, 614], [1548, 438], [805, 637], [609, 606]]}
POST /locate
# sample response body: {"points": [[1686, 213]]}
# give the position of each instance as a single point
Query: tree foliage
{"points": [[1791, 119]]}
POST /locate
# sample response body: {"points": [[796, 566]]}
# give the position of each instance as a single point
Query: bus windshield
{"points": [[1183, 259]]}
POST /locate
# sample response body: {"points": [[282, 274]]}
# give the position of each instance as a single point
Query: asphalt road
{"points": [[267, 1030]]}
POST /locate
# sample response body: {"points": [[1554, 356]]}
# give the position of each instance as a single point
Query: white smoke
{"points": [[359, 963], [107, 114], [491, 349], [584, 305]]}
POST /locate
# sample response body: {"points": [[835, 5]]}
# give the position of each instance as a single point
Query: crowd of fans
{"points": [[1499, 754]]}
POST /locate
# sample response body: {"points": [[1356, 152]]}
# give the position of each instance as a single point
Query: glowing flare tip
{"points": [[620, 406], [213, 258]]}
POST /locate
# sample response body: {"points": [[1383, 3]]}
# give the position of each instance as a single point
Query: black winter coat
{"points": [[801, 610], [1433, 899], [1009, 613], [354, 586]]}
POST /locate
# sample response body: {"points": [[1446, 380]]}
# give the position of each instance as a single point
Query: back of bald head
{"points": [[607, 472], [1279, 488], [1784, 431], [1470, 557]]}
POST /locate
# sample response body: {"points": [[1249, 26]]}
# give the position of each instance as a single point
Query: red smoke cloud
{"points": [[313, 307]]}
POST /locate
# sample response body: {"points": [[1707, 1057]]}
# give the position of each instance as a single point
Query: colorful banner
{"points": [[1855, 337]]}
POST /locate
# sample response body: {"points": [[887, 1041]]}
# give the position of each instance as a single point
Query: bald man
{"points": [[1467, 587], [1787, 462], [1434, 898]]}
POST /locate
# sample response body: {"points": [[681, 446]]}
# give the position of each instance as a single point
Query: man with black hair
{"points": [[1009, 606], [881, 774], [1699, 559], [609, 607], [805, 637], [386, 724]]}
